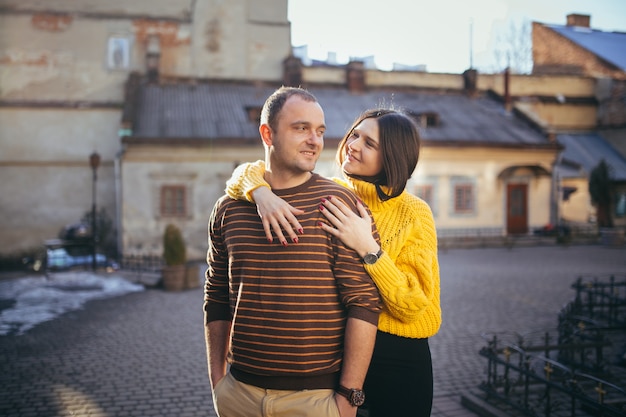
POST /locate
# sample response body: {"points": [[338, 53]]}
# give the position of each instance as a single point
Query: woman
{"points": [[377, 156]]}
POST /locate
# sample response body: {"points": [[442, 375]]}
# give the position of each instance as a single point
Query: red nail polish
{"points": [[284, 242], [319, 224], [295, 240], [300, 231], [323, 200], [270, 240], [321, 208], [330, 196]]}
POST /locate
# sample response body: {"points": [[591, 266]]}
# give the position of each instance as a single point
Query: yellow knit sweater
{"points": [[407, 275]]}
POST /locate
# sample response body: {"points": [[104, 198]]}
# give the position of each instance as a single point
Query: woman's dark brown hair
{"points": [[399, 146]]}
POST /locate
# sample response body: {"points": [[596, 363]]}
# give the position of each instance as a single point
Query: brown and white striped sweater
{"points": [[288, 304]]}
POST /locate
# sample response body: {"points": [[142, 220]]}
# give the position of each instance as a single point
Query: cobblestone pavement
{"points": [[143, 354]]}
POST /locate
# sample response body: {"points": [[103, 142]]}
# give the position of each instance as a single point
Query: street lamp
{"points": [[94, 162]]}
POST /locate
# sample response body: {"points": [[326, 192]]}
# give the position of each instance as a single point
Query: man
{"points": [[296, 322]]}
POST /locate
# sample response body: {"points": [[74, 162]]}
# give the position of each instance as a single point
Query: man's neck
{"points": [[279, 180]]}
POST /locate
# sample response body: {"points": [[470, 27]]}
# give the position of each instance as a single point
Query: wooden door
{"points": [[517, 209]]}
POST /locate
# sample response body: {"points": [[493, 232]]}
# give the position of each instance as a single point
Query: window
{"points": [[426, 119], [430, 119], [463, 196], [425, 187], [172, 193], [118, 53], [425, 192], [254, 114], [173, 201]]}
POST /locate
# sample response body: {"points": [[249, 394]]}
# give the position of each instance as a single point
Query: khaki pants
{"points": [[232, 398]]}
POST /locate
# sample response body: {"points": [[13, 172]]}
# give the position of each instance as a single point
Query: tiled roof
{"points": [[610, 46], [217, 110], [202, 110], [589, 149]]}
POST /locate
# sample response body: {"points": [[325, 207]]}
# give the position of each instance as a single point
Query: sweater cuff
{"points": [[245, 179], [214, 311], [253, 178], [364, 314]]}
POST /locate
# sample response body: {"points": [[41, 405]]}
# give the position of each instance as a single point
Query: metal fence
{"points": [[143, 263], [601, 300], [537, 385], [577, 370], [497, 236]]}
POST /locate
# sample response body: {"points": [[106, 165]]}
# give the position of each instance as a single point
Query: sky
{"points": [[438, 34]]}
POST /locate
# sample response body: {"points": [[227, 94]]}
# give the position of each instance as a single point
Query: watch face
{"points": [[357, 397], [370, 258]]}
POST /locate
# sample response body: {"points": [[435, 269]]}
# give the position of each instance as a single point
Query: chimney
{"points": [[292, 71], [470, 78], [507, 90], [580, 20], [153, 57], [355, 76]]}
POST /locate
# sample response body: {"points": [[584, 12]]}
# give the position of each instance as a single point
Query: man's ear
{"points": [[266, 134]]}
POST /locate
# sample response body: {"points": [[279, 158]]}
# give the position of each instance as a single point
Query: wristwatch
{"points": [[371, 257], [354, 395]]}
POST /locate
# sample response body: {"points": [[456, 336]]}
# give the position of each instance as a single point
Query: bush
{"points": [[174, 250], [600, 190]]}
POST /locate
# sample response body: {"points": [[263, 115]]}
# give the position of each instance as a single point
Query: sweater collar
{"points": [[367, 193]]}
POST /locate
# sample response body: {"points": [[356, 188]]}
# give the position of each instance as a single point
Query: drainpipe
{"points": [[118, 201]]}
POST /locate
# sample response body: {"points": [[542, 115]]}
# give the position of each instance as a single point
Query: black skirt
{"points": [[399, 381]]}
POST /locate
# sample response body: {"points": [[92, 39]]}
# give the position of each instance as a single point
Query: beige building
{"points": [[483, 170]]}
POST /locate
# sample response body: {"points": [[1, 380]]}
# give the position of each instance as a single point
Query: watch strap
{"points": [[355, 396]]}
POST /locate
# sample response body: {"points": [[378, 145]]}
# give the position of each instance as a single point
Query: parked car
{"points": [[60, 258], [73, 249]]}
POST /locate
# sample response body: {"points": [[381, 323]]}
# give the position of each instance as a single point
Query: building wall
{"points": [[483, 166], [46, 178], [611, 96], [240, 39], [561, 117], [63, 65], [552, 85], [422, 79], [60, 63], [205, 169], [577, 208]]}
